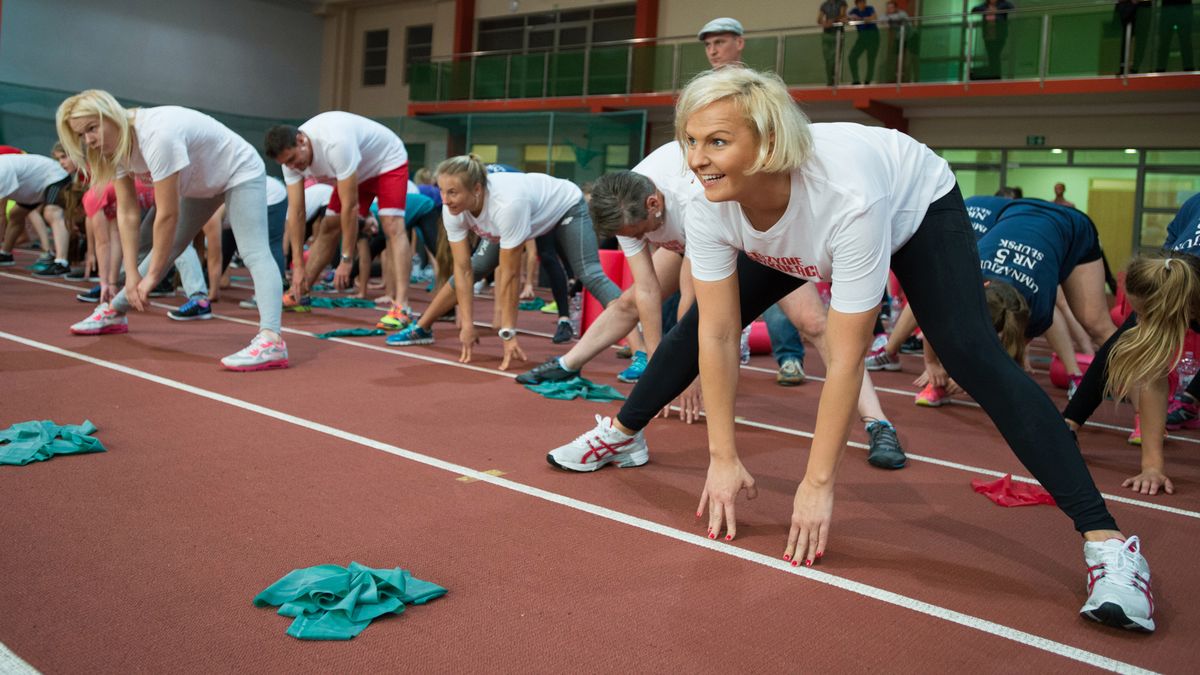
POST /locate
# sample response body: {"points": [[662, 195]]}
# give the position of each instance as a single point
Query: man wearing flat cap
{"points": [[723, 42]]}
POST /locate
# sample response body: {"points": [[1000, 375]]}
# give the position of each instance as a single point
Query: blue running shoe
{"points": [[635, 369], [413, 335], [197, 308]]}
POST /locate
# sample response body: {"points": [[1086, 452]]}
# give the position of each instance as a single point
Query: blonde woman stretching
{"points": [[196, 164], [775, 188]]}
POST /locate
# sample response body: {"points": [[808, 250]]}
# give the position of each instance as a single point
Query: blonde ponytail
{"points": [[1168, 285], [469, 168]]}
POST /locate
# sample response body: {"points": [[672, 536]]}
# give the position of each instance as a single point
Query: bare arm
{"points": [[647, 295], [506, 300], [129, 217], [294, 232]]}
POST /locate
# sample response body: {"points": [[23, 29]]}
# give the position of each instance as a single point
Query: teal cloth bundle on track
{"points": [[26, 442], [332, 303], [330, 602], [576, 387], [352, 332], [531, 305]]}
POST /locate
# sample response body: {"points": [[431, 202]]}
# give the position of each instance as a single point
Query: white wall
{"points": [[249, 57]]}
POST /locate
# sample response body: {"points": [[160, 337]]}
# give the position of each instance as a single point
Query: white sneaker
{"points": [[103, 321], [879, 359], [1118, 585], [598, 447], [260, 354], [249, 304]]}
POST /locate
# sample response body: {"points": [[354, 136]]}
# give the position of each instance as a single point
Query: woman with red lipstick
{"points": [[776, 189]]}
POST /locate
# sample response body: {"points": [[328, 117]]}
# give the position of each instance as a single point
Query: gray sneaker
{"points": [[550, 371], [791, 373], [249, 304], [885, 451]]}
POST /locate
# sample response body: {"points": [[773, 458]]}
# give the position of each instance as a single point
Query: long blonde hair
{"points": [[1010, 316], [1168, 285], [781, 128], [101, 104]]}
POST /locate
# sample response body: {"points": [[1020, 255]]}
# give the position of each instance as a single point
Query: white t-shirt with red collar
{"points": [[209, 158], [518, 207], [344, 144], [667, 167], [855, 202]]}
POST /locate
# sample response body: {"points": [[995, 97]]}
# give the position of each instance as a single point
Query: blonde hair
{"points": [[101, 104], [762, 99], [1168, 284], [469, 168], [1010, 316]]}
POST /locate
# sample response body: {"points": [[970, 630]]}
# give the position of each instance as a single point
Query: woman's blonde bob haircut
{"points": [[781, 128], [100, 104]]}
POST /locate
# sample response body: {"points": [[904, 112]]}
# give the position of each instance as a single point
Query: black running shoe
{"points": [[564, 332], [193, 309], [91, 295], [77, 275], [6, 260], [885, 451], [550, 371], [54, 269], [913, 345]]}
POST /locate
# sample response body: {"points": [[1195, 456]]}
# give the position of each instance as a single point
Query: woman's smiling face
{"points": [[721, 148]]}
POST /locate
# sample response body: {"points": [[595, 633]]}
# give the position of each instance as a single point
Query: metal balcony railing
{"points": [[1079, 40]]}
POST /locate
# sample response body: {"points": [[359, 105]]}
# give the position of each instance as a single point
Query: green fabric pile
{"points": [[27, 442], [331, 303], [352, 332], [576, 387], [532, 305], [336, 603]]}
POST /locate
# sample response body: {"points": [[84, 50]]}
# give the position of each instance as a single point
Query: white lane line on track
{"points": [[865, 590], [739, 420], [11, 664]]}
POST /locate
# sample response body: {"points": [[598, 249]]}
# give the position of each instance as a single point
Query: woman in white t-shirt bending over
{"points": [[196, 164], [840, 203], [505, 210]]}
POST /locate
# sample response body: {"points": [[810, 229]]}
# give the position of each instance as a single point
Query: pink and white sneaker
{"points": [[103, 321], [932, 397], [1118, 585], [260, 354]]}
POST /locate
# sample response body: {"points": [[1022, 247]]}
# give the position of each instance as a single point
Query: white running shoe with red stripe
{"points": [[103, 321], [1118, 585], [260, 354], [602, 445]]}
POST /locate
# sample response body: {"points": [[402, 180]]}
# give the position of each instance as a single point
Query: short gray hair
{"points": [[619, 199]]}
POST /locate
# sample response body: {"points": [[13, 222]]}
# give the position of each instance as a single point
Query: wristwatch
{"points": [[346, 258], [507, 334]]}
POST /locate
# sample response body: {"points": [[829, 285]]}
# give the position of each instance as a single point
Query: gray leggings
{"points": [[577, 240], [246, 205], [191, 272]]}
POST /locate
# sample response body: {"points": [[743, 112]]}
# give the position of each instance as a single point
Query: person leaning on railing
{"points": [[832, 18], [994, 30], [898, 22]]}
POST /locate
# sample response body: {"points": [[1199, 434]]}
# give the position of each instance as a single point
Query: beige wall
{"points": [[686, 17]]}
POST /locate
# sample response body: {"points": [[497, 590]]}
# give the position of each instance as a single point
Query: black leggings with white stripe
{"points": [[939, 271]]}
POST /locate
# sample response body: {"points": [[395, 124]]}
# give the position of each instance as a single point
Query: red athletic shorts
{"points": [[391, 188]]}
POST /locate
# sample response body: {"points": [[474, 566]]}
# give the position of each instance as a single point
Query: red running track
{"points": [[145, 558]]}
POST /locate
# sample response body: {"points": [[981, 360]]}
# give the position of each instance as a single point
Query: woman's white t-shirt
{"points": [[668, 169], [855, 202], [344, 144], [518, 207], [209, 158], [24, 178]]}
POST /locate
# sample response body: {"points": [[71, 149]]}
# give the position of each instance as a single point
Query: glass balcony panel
{"points": [[608, 70], [653, 66], [1084, 42], [490, 75], [527, 76], [939, 51], [566, 73], [759, 53], [803, 64]]}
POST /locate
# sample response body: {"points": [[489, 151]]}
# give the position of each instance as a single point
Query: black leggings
{"points": [[939, 271], [552, 264]]}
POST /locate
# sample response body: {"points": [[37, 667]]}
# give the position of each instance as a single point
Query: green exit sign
{"points": [[1035, 141]]}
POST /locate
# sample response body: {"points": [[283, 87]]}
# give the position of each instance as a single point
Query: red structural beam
{"points": [[859, 96], [645, 20], [464, 26]]}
